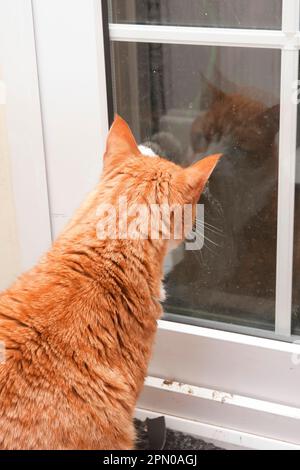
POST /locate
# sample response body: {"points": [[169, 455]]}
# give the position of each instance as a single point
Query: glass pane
{"points": [[187, 102], [260, 14]]}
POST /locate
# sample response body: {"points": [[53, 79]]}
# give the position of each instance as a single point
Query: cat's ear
{"points": [[223, 81], [268, 120], [120, 140], [198, 174], [210, 94]]}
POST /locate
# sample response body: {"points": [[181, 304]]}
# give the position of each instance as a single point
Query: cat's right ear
{"points": [[120, 141], [197, 175]]}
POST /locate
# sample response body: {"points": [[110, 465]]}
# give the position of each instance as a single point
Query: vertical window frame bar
{"points": [[286, 171]]}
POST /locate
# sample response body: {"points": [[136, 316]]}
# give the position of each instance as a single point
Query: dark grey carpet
{"points": [[175, 440]]}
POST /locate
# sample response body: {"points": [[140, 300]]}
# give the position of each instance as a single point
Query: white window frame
{"points": [[230, 387], [25, 136]]}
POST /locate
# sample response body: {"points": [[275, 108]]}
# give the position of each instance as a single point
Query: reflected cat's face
{"points": [[235, 123], [244, 130]]}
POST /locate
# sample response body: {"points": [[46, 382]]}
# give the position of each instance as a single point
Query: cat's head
{"points": [[233, 122], [244, 131], [146, 182]]}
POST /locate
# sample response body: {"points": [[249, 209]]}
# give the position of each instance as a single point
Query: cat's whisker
{"points": [[206, 224], [202, 235], [206, 245], [220, 234]]}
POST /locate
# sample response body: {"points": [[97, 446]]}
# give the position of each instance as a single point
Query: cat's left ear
{"points": [[269, 120], [210, 94], [198, 174], [120, 141]]}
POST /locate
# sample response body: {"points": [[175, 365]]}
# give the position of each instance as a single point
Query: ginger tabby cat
{"points": [[78, 328]]}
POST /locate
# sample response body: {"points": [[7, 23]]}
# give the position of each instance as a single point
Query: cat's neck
{"points": [[137, 260], [144, 256]]}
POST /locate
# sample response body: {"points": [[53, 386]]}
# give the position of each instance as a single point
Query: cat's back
{"points": [[24, 372], [51, 393]]}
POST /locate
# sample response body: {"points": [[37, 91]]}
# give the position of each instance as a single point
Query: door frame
{"points": [[25, 129]]}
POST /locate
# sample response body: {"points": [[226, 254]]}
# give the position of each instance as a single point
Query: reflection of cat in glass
{"points": [[238, 263]]}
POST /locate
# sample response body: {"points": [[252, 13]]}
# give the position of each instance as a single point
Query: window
{"points": [[190, 93], [221, 76], [191, 101]]}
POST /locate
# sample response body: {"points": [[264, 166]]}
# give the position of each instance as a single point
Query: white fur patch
{"points": [[163, 294], [146, 151]]}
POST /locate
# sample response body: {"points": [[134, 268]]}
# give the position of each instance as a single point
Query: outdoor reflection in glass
{"points": [[187, 102], [258, 14]]}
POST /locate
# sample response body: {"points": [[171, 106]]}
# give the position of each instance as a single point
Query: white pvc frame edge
{"points": [[25, 133], [290, 16], [101, 70], [243, 414], [224, 437], [257, 38], [235, 338], [73, 97], [286, 173], [223, 397], [286, 193]]}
